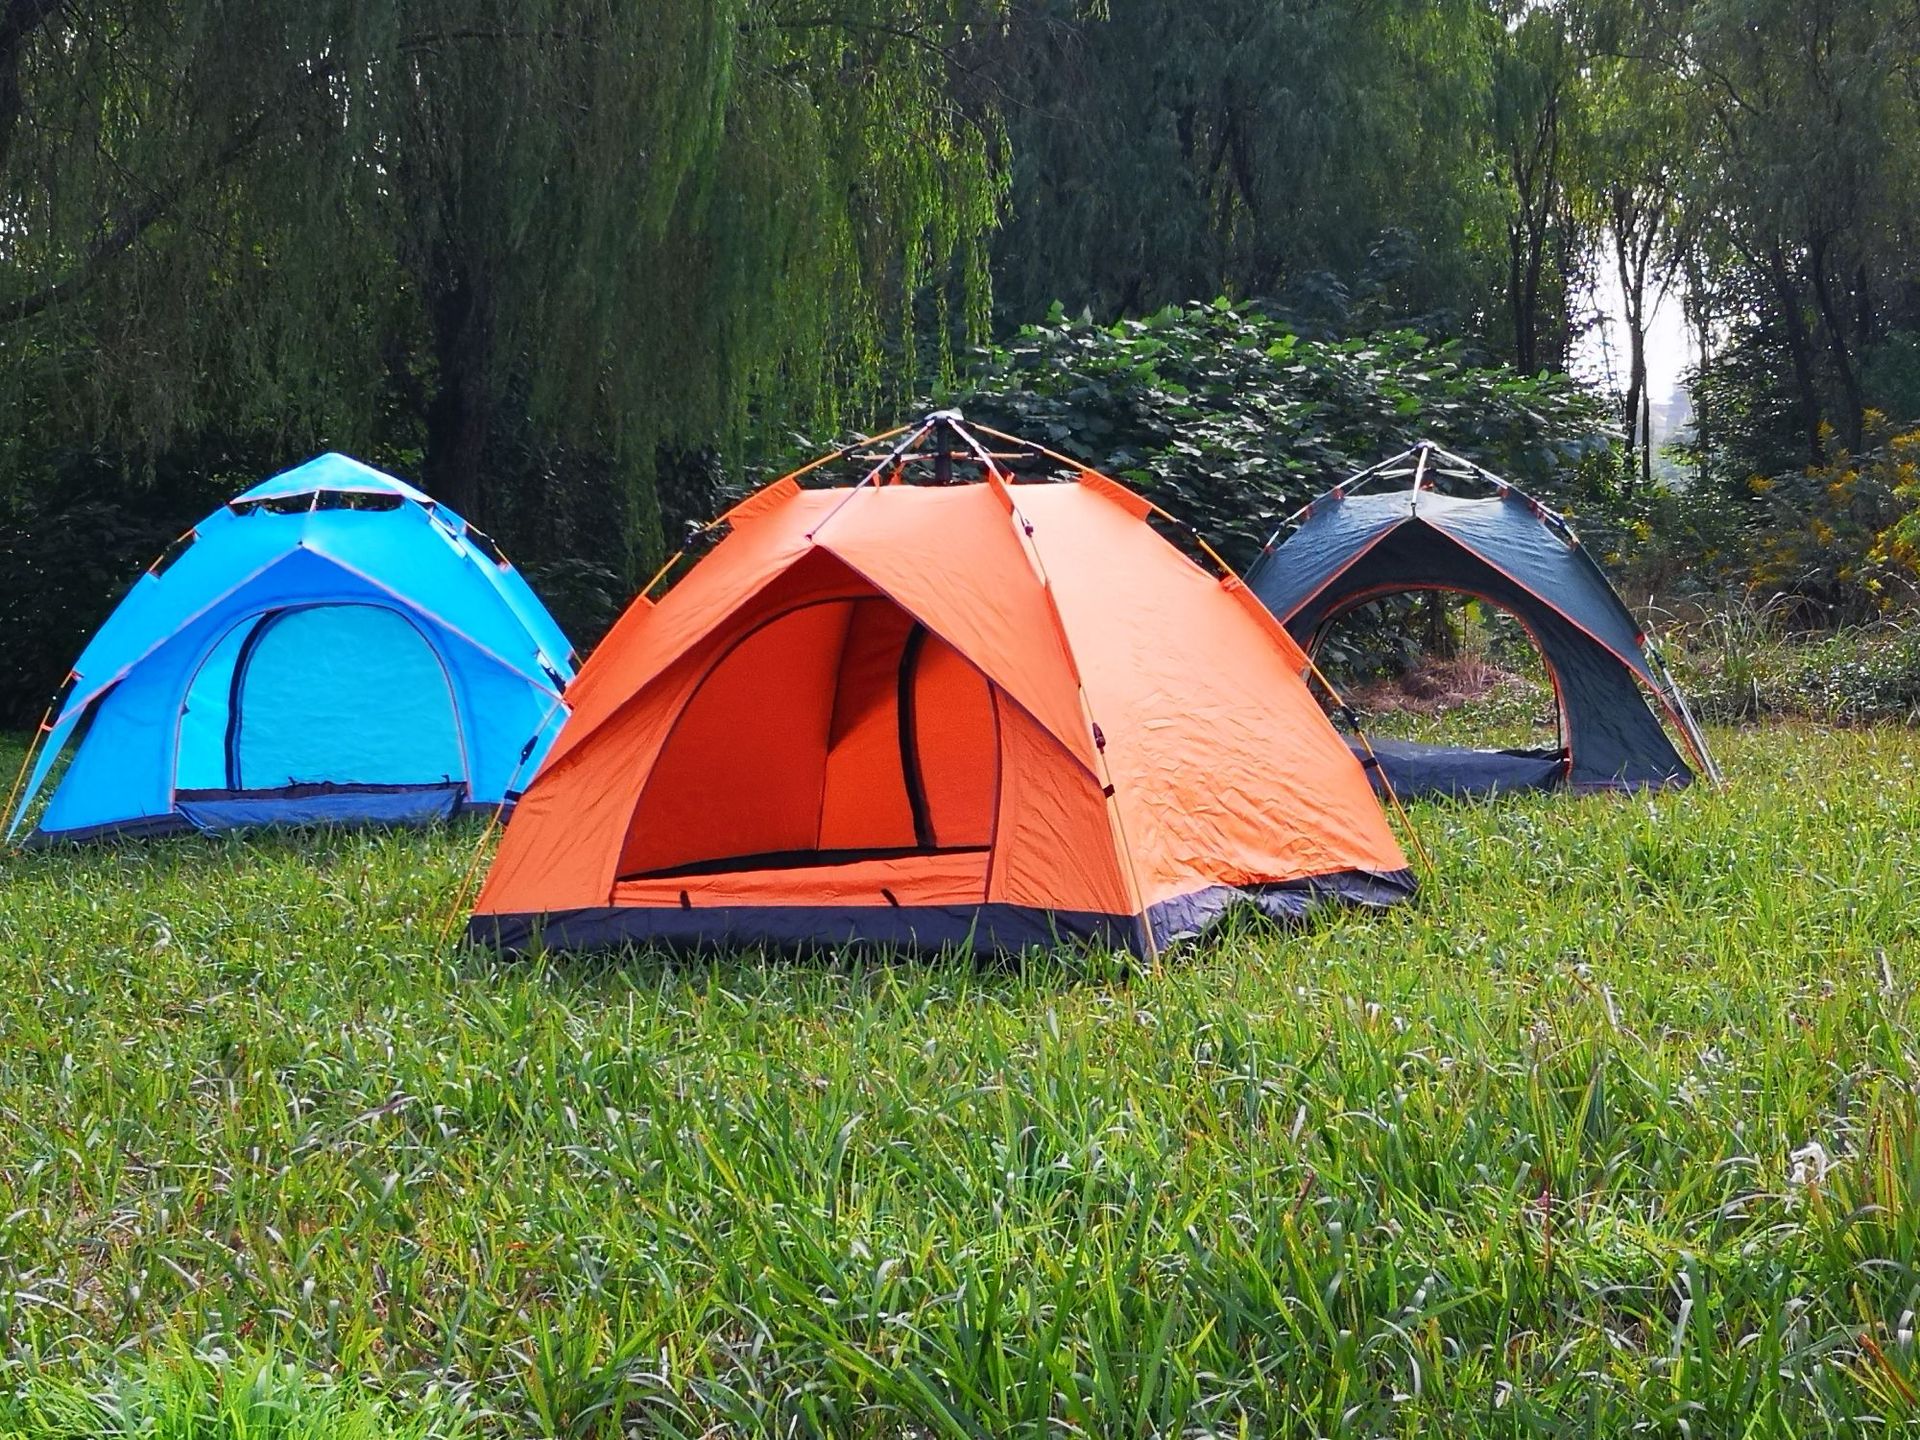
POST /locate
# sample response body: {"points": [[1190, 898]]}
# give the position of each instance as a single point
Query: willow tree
{"points": [[646, 224], [1539, 95]]}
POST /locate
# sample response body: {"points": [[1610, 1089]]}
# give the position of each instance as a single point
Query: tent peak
{"points": [[331, 471], [943, 447]]}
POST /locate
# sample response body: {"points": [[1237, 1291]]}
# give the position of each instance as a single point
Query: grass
{"points": [[1617, 1128], [188, 1397]]}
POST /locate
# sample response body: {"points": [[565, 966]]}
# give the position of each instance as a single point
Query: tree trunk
{"points": [[1522, 328], [1528, 255], [1697, 308], [1865, 323], [1441, 642], [459, 418], [1854, 421], [1637, 436], [1800, 349], [1646, 430], [1633, 303]]}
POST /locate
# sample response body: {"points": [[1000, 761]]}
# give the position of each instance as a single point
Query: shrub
{"points": [[1842, 538], [1232, 420]]}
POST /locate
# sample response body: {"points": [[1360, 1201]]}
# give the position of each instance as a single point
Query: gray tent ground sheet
{"points": [[1448, 772]]}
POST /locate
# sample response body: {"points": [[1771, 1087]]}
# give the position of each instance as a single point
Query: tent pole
{"points": [[1386, 781], [1345, 487], [1695, 739], [26, 765], [841, 453], [873, 474], [661, 573]]}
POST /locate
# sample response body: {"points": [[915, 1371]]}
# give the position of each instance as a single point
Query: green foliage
{"points": [[1832, 543], [1841, 539], [1232, 420], [1740, 663], [1166, 150], [72, 541], [187, 1397], [583, 264], [628, 226], [1530, 1157], [60, 575], [1804, 195]]}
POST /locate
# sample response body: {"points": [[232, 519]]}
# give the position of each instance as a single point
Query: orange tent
{"points": [[982, 714]]}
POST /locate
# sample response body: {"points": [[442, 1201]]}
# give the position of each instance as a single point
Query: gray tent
{"points": [[1512, 552]]}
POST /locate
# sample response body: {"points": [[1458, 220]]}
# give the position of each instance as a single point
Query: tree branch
{"points": [[19, 20], [119, 233]]}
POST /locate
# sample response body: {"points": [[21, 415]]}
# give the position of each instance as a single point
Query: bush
{"points": [[1232, 420], [1842, 538]]}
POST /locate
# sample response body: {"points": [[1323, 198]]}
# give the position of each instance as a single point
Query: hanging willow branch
{"points": [[117, 235], [638, 227]]}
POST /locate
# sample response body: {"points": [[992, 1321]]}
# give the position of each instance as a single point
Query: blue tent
{"points": [[331, 646], [1512, 552]]}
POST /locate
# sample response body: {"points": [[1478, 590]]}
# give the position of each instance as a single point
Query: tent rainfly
{"points": [[331, 646], [1512, 552], [977, 714]]}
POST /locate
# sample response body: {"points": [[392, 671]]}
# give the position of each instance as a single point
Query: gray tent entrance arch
{"points": [[1513, 553]]}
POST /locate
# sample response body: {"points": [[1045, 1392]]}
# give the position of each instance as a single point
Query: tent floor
{"points": [[1446, 771]]}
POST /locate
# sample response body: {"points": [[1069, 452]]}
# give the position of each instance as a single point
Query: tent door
{"points": [[837, 733], [340, 695]]}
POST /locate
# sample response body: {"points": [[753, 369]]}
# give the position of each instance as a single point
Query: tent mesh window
{"points": [[311, 500]]}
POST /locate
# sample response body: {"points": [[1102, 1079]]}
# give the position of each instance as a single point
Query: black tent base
{"points": [[1447, 772], [984, 931]]}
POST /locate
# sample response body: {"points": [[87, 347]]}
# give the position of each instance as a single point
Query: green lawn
{"points": [[1520, 1159]]}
